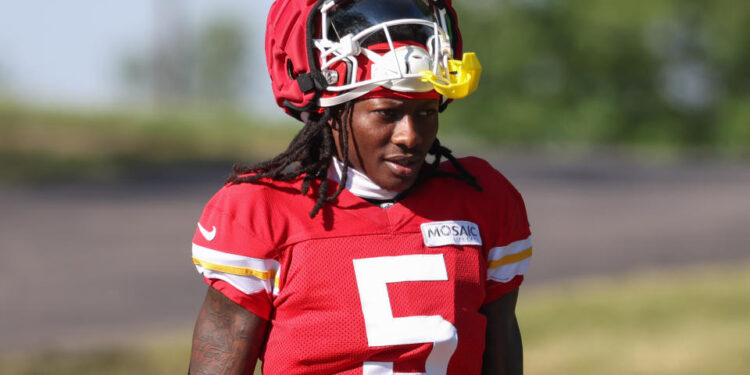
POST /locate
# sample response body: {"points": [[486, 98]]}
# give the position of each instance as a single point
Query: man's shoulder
{"points": [[487, 176], [477, 165], [261, 195], [263, 187]]}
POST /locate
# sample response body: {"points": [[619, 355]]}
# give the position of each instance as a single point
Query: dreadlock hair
{"points": [[310, 152], [463, 175]]}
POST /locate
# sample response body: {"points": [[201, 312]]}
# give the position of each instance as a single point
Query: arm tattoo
{"points": [[227, 337]]}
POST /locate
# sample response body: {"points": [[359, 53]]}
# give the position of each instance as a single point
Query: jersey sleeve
{"points": [[508, 247], [231, 254]]}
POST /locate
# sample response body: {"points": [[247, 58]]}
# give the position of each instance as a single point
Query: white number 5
{"points": [[383, 329]]}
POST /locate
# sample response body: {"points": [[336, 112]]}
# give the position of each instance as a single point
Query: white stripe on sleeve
{"points": [[247, 274], [509, 261]]}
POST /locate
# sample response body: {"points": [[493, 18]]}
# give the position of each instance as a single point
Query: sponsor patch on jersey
{"points": [[453, 232]]}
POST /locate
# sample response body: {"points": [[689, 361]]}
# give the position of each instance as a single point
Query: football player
{"points": [[358, 250]]}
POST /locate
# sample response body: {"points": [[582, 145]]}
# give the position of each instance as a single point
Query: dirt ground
{"points": [[90, 264]]}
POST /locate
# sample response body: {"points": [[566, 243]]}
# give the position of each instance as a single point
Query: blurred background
{"points": [[625, 125]]}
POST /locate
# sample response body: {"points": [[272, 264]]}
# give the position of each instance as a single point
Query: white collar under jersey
{"points": [[358, 183]]}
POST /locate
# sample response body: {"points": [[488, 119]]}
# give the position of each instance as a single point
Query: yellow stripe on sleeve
{"points": [[241, 271], [512, 258]]}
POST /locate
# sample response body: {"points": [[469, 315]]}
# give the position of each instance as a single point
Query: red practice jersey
{"points": [[365, 290]]}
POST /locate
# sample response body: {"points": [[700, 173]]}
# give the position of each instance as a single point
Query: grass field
{"points": [[688, 321], [39, 145], [692, 321]]}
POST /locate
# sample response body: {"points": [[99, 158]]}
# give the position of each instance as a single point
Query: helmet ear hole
{"points": [[290, 69]]}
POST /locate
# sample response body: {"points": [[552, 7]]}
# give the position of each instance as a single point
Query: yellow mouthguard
{"points": [[462, 78]]}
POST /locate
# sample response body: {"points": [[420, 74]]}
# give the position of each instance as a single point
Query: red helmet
{"points": [[321, 53]]}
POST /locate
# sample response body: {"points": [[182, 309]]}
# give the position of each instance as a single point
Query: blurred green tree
{"points": [[642, 71], [185, 66], [221, 56]]}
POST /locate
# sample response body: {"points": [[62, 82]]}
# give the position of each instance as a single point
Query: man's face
{"points": [[389, 139]]}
